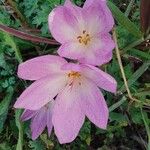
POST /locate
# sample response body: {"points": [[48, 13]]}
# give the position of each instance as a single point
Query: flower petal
{"points": [[74, 8], [102, 9], [84, 54], [28, 114], [93, 20], [94, 104], [41, 92], [71, 67], [49, 117], [102, 79], [68, 116], [63, 24], [38, 123], [97, 52], [72, 50], [39, 67], [107, 44], [49, 122]]}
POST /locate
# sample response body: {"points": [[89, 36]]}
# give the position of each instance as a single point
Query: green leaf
{"points": [[36, 145], [117, 117], [124, 21], [136, 75], [118, 104], [145, 120], [4, 106], [5, 146], [20, 128], [10, 41], [140, 54]]}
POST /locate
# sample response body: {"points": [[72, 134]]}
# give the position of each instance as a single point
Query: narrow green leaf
{"points": [[139, 54], [124, 21], [118, 104], [145, 120], [129, 8], [10, 41], [4, 106], [135, 43], [136, 75], [20, 128]]}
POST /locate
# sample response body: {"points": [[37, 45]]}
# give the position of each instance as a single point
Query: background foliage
{"points": [[129, 121]]}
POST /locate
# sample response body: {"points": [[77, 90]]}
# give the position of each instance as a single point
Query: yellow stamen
{"points": [[74, 74], [84, 38]]}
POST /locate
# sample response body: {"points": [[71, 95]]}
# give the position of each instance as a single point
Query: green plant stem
{"points": [[122, 70]]}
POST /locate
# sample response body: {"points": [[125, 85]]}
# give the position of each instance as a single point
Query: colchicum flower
{"points": [[39, 119], [75, 89], [83, 32]]}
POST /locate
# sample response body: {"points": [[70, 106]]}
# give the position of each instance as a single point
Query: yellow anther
{"points": [[74, 74], [84, 38]]}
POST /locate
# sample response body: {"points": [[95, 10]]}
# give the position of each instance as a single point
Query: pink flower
{"points": [[83, 32], [76, 92], [40, 119]]}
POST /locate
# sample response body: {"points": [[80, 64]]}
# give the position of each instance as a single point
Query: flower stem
{"points": [[121, 68], [27, 36]]}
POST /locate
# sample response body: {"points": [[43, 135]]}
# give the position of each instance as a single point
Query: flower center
{"points": [[74, 77], [74, 74], [84, 38]]}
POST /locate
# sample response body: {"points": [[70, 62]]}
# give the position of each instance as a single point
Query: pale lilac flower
{"points": [[40, 119], [83, 32], [76, 92]]}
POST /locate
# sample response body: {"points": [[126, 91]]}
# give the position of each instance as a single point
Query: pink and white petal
{"points": [[94, 104], [28, 114], [49, 117], [68, 115], [99, 50], [109, 17], [100, 78], [71, 67], [88, 3], [107, 20], [38, 123], [85, 54], [107, 44], [93, 20], [90, 57], [77, 12], [72, 50], [104, 53], [40, 67], [63, 24], [49, 122], [41, 92], [74, 8]]}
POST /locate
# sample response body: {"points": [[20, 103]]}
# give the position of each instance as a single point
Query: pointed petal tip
{"points": [[17, 105], [103, 125], [21, 70], [68, 3], [34, 136], [114, 90], [65, 141]]}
